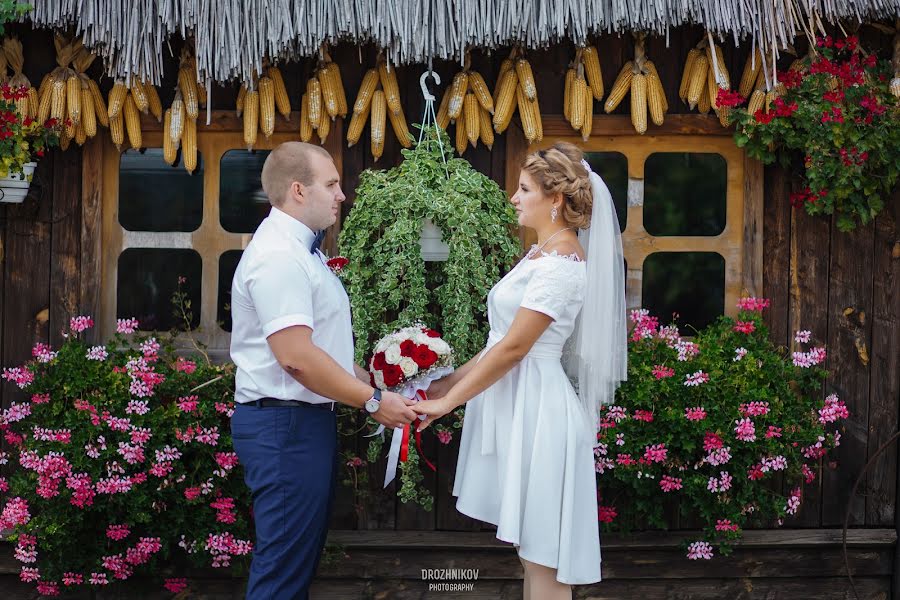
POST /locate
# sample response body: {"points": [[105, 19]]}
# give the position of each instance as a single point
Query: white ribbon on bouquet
{"points": [[408, 390]]}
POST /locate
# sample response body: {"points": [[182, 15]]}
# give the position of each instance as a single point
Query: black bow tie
{"points": [[317, 241]]}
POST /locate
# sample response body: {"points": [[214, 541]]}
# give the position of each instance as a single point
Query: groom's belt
{"points": [[274, 402]]}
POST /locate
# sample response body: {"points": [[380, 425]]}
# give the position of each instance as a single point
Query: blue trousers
{"points": [[289, 460]]}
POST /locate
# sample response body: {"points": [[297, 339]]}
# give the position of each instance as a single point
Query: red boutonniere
{"points": [[337, 264]]}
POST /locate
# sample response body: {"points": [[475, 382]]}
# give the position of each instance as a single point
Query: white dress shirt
{"points": [[279, 283]]}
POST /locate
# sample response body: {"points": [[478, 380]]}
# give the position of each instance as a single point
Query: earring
{"points": [[553, 214]]}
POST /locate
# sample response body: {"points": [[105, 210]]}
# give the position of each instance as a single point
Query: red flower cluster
{"points": [[729, 98], [805, 195]]}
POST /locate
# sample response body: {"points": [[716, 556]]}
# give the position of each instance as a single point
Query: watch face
{"points": [[372, 405]]}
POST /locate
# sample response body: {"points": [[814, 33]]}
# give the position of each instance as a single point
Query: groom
{"points": [[292, 345]]}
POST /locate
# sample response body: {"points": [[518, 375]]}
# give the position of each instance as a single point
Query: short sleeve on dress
{"points": [[555, 283]]}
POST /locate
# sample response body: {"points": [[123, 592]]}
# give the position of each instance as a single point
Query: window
{"points": [[690, 210], [165, 229]]}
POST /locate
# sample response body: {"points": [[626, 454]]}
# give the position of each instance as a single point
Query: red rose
{"points": [[393, 375], [337, 263], [430, 332], [378, 362], [424, 356], [407, 347]]}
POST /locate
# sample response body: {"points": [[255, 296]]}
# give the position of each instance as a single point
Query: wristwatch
{"points": [[374, 403]]}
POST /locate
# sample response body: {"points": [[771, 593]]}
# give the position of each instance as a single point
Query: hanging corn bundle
{"points": [[324, 99], [516, 90], [705, 74], [27, 97], [640, 79], [584, 84], [377, 101], [59, 95], [469, 104]]}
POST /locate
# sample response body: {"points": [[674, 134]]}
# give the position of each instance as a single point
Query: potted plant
{"points": [[23, 140]]}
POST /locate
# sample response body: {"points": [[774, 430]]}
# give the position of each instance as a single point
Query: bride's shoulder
{"points": [[565, 249]]}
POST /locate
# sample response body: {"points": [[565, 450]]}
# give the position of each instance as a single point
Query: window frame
{"points": [[100, 185], [741, 241]]}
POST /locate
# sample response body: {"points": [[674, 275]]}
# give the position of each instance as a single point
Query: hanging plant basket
{"points": [[14, 187]]}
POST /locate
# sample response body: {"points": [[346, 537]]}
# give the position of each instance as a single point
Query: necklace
{"points": [[535, 248]]}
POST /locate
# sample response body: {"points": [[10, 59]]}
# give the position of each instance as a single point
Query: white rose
{"points": [[379, 380], [439, 345], [421, 338], [408, 366], [392, 354]]}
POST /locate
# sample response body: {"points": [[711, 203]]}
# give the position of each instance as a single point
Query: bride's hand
{"points": [[439, 387], [432, 409]]}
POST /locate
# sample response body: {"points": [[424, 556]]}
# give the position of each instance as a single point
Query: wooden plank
{"points": [[849, 340], [777, 253], [810, 244], [884, 538], [26, 312], [65, 251], [91, 260], [754, 229], [555, 125], [885, 383]]}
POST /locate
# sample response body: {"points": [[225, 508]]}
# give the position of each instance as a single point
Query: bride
{"points": [[526, 461]]}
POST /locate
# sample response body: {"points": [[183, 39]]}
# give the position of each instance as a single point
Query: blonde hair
{"points": [[559, 170], [287, 163]]}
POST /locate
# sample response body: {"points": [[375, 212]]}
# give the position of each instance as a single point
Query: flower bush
{"points": [[835, 111], [22, 140], [121, 463], [716, 423]]}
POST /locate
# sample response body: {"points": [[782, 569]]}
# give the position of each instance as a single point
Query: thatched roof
{"points": [[232, 36]]}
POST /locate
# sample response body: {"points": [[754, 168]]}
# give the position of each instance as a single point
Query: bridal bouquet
{"points": [[408, 360]]}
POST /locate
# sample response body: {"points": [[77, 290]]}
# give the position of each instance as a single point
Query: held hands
{"points": [[439, 387], [433, 409], [394, 411]]}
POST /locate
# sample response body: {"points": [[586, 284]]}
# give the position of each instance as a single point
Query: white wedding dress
{"points": [[526, 461]]}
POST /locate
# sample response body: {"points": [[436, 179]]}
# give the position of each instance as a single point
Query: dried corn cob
{"points": [[116, 98], [73, 98], [189, 145], [314, 92], [757, 98], [693, 53], [153, 102], [178, 117], [471, 107], [588, 114], [187, 83], [526, 114], [506, 100], [526, 78], [462, 138], [117, 129], [505, 66], [459, 87], [388, 77], [443, 116], [324, 127], [305, 126], [656, 97], [654, 74], [366, 90], [132, 122], [170, 147], [620, 88], [80, 135], [750, 74], [579, 89], [239, 102], [697, 82], [46, 101], [334, 73], [591, 62], [88, 114], [567, 94], [485, 130], [378, 122], [357, 124], [401, 130], [58, 104], [329, 94], [480, 89], [639, 102], [251, 118], [266, 106], [139, 95], [282, 101]]}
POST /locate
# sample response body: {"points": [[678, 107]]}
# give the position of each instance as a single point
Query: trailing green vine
{"points": [[389, 284]]}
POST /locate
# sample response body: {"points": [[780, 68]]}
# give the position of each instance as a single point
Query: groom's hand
{"points": [[394, 411]]}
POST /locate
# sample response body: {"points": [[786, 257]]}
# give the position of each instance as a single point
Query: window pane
{"points": [[148, 280], [155, 196], [227, 265], [613, 168], [684, 193], [691, 284], [242, 203]]}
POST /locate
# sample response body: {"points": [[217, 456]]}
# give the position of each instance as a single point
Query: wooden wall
{"points": [[845, 288]]}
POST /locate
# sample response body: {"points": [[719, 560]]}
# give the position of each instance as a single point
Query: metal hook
{"points": [[437, 80]]}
